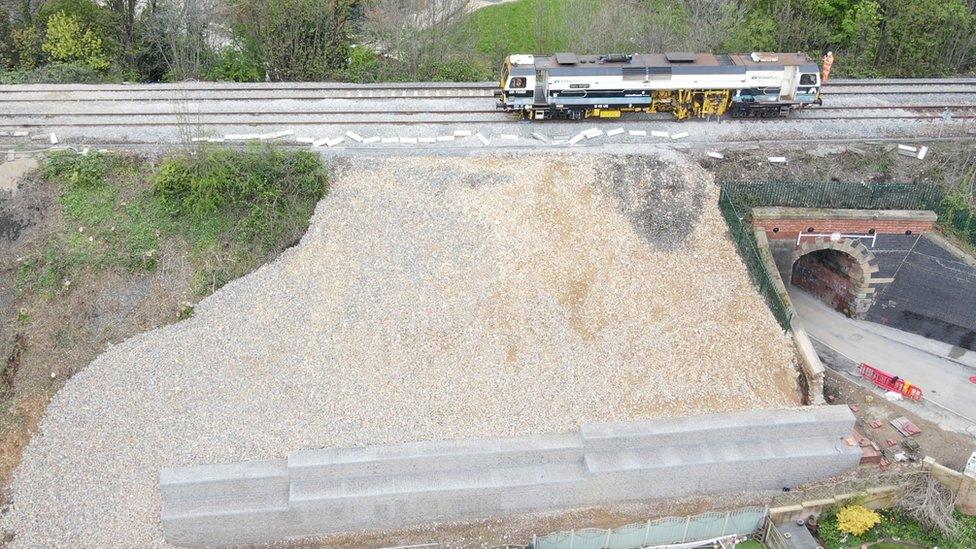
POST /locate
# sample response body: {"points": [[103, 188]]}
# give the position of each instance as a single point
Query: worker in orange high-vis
{"points": [[828, 61]]}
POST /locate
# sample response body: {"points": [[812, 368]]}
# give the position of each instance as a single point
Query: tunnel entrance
{"points": [[835, 277]]}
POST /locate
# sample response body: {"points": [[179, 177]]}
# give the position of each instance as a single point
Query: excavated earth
{"points": [[431, 298]]}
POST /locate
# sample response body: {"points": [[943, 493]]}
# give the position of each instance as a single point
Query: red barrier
{"points": [[890, 382]]}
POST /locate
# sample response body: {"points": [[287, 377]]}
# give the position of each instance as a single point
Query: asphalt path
{"points": [[927, 363]]}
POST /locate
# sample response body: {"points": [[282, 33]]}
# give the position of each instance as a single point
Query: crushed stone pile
{"points": [[431, 298]]}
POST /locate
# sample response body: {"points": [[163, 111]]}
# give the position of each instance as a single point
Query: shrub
{"points": [[59, 73], [856, 519], [363, 66], [296, 39], [66, 41], [25, 48], [258, 192], [75, 170], [233, 65]]}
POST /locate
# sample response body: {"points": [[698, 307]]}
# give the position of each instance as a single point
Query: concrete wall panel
{"points": [[319, 492]]}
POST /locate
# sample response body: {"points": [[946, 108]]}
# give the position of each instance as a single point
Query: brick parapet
{"points": [[782, 223]]}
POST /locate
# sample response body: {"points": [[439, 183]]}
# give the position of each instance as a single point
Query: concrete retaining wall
{"points": [[963, 486], [319, 492], [811, 368]]}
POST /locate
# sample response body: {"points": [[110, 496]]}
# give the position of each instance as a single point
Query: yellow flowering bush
{"points": [[856, 519], [66, 41]]}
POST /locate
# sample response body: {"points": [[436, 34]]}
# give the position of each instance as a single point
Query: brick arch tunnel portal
{"points": [[838, 273]]}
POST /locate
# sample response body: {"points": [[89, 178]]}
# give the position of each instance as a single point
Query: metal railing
{"points": [[668, 531]]}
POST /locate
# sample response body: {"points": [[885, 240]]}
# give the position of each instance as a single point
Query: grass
{"points": [[230, 209], [750, 544], [526, 26], [894, 524]]}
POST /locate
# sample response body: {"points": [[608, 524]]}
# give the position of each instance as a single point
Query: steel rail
{"points": [[505, 120], [89, 114]]}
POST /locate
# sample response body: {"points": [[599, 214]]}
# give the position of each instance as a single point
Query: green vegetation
{"points": [[894, 524], [750, 544], [228, 209], [374, 40]]}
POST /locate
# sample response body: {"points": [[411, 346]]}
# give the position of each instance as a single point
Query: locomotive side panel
{"points": [[565, 86]]}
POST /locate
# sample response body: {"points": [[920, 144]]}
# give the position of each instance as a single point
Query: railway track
{"points": [[475, 90], [306, 124], [83, 119], [145, 113]]}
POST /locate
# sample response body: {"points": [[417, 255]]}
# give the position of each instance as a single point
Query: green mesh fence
{"points": [[741, 233], [833, 194]]}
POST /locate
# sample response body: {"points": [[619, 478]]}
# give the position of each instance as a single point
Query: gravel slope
{"points": [[430, 298]]}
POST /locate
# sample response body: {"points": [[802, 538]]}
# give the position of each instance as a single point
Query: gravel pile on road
{"points": [[430, 298]]}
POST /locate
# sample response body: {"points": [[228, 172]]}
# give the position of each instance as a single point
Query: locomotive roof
{"points": [[672, 59]]}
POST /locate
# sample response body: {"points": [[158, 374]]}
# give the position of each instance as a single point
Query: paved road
{"points": [[923, 362]]}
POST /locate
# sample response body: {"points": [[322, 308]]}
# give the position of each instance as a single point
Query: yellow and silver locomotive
{"points": [[569, 86]]}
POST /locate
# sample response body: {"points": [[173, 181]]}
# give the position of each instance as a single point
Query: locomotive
{"points": [[570, 86]]}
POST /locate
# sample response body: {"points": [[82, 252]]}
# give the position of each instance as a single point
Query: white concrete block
{"points": [[427, 139], [777, 159], [716, 155], [390, 140], [659, 134], [319, 142], [482, 138], [277, 135], [305, 140], [445, 137], [408, 140], [54, 139], [907, 148], [4, 134], [462, 133], [615, 131], [509, 136], [576, 138], [354, 136], [335, 141], [922, 152], [680, 135], [591, 134], [637, 133], [21, 134], [374, 139], [540, 137]]}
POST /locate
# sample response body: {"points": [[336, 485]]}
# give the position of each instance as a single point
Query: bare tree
{"points": [[929, 502], [416, 32], [297, 39], [711, 22], [186, 32], [125, 10]]}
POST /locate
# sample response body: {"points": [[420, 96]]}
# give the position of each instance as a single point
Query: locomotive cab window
{"points": [[517, 83], [808, 79]]}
